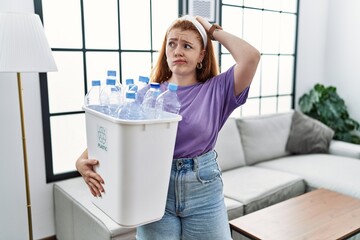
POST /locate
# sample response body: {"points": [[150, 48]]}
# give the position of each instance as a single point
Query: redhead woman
{"points": [[195, 208]]}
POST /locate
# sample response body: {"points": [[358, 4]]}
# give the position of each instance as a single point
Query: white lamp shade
{"points": [[23, 45]]}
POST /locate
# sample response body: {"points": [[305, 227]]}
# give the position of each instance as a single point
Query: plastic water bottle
{"points": [[129, 83], [149, 102], [111, 98], [111, 74], [130, 86], [168, 101], [92, 97], [132, 109], [143, 87]]}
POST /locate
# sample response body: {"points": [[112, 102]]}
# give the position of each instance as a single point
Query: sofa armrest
{"points": [[344, 149]]}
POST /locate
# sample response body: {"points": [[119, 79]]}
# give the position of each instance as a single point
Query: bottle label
{"points": [[102, 138]]}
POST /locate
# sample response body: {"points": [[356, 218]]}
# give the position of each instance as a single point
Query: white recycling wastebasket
{"points": [[135, 158]]}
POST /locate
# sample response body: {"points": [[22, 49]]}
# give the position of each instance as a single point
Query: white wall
{"points": [[328, 49], [13, 218], [343, 52], [327, 53], [311, 45]]}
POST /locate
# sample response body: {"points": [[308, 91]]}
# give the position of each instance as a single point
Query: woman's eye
{"points": [[187, 46], [171, 44]]}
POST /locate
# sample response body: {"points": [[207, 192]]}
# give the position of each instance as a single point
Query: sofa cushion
{"points": [[344, 149], [340, 174], [308, 135], [229, 147], [258, 187], [234, 208], [264, 137]]}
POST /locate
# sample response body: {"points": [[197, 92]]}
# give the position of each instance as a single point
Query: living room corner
{"points": [[327, 51]]}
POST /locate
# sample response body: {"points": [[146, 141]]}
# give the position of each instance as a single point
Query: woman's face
{"points": [[183, 51]]}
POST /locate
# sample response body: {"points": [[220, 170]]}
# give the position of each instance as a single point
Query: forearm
{"points": [[245, 55], [242, 52]]}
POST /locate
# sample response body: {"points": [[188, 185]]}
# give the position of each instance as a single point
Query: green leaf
{"points": [[324, 104], [307, 101]]}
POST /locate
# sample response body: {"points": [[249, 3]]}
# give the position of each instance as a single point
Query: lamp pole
{"points": [[26, 170]]}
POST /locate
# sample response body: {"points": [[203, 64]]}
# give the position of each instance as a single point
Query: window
{"points": [[89, 37], [270, 26]]}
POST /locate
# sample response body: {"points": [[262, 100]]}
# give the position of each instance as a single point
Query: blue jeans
{"points": [[195, 207]]}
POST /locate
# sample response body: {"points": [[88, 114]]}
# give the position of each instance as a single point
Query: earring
{"points": [[199, 65]]}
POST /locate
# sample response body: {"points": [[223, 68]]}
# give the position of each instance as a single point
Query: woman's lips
{"points": [[179, 62]]}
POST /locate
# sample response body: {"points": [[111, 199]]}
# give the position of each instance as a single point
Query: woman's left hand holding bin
{"points": [[94, 181]]}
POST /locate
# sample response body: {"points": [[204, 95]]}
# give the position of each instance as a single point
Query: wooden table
{"points": [[320, 214]]}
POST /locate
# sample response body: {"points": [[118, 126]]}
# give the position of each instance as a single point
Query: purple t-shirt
{"points": [[204, 110]]}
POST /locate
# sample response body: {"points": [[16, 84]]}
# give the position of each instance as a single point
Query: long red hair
{"points": [[161, 71]]}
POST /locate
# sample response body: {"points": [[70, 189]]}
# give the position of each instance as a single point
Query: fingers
{"points": [[91, 162], [95, 188], [97, 184], [84, 164], [93, 192], [85, 170], [94, 181], [97, 177], [203, 22]]}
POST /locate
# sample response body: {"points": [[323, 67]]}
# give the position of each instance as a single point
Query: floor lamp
{"points": [[24, 48]]}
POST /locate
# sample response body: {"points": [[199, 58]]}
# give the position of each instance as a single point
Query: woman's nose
{"points": [[178, 51]]}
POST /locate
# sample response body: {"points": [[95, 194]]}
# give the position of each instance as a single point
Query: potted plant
{"points": [[325, 105]]}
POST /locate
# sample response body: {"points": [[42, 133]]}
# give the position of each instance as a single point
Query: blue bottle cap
{"points": [[129, 81], [95, 82], [155, 85], [143, 79], [172, 87], [133, 87], [130, 94], [110, 82], [111, 73]]}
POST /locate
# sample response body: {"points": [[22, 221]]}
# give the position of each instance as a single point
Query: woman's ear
{"points": [[202, 55]]}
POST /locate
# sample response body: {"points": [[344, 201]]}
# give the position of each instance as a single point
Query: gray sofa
{"points": [[258, 170]]}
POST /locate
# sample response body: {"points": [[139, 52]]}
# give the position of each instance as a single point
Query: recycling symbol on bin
{"points": [[102, 138], [102, 135]]}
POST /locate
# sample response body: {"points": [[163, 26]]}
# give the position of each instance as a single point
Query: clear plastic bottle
{"points": [[111, 98], [132, 109], [92, 97], [134, 88], [129, 83], [130, 86], [168, 101], [149, 102], [143, 87], [111, 74]]}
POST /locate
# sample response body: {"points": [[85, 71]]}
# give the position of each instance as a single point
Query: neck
{"points": [[183, 80]]}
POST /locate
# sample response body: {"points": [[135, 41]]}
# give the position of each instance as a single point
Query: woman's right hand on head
{"points": [[94, 181]]}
